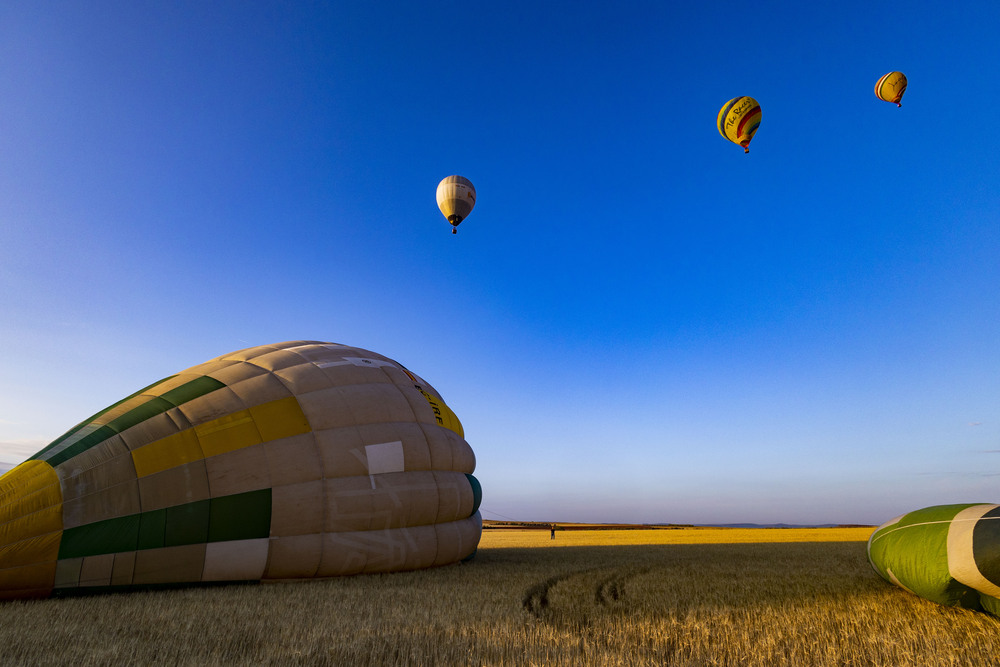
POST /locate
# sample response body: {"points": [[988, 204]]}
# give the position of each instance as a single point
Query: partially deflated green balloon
{"points": [[949, 554], [296, 460]]}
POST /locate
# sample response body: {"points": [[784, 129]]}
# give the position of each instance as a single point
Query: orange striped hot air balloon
{"points": [[891, 87], [739, 119]]}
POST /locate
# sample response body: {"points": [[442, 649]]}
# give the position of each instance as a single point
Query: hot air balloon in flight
{"points": [[738, 120], [891, 87], [949, 554], [455, 197], [295, 460]]}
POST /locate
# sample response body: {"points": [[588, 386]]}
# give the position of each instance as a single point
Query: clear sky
{"points": [[638, 322]]}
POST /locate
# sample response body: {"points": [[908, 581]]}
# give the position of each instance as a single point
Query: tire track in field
{"points": [[608, 591], [536, 599], [611, 591]]}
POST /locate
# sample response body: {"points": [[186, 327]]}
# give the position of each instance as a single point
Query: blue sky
{"points": [[638, 322]]}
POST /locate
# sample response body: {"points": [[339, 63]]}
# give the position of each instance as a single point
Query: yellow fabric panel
{"points": [[244, 428], [36, 549], [442, 414], [30, 529], [20, 530], [238, 471], [294, 556], [26, 505], [279, 419], [29, 581], [169, 452], [24, 480], [227, 433]]}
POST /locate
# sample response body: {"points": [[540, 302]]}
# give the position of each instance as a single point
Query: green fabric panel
{"points": [[990, 604], [193, 389], [243, 516], [82, 445], [986, 545], [915, 550], [187, 524], [156, 405], [152, 529], [101, 537], [137, 415], [97, 416], [477, 492]]}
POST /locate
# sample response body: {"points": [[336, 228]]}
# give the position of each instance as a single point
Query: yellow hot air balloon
{"points": [[738, 120], [891, 87], [455, 197], [294, 460]]}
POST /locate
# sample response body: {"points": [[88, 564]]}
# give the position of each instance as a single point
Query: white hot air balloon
{"points": [[455, 197]]}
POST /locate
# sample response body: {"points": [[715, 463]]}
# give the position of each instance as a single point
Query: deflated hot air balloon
{"points": [[891, 87], [949, 554], [455, 197], [295, 460], [738, 120]]}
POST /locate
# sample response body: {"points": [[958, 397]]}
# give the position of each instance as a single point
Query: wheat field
{"points": [[582, 599]]}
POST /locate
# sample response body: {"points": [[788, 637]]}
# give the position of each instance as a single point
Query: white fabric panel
{"points": [[385, 457], [239, 560], [961, 559]]}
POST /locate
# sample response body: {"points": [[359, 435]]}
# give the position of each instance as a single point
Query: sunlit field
{"points": [[768, 597], [572, 536]]}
